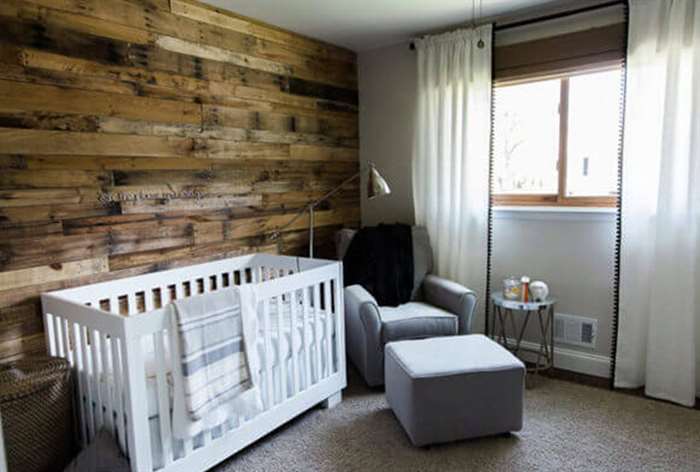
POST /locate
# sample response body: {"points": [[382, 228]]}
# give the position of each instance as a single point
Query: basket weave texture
{"points": [[36, 403]]}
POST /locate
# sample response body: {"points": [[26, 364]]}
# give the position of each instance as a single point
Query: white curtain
{"points": [[451, 152], [659, 279]]}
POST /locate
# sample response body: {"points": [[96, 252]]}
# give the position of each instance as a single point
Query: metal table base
{"points": [[504, 313]]}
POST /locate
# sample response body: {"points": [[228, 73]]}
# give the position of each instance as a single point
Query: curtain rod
{"points": [[553, 16]]}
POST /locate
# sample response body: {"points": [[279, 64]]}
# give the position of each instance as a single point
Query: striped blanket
{"points": [[217, 356]]}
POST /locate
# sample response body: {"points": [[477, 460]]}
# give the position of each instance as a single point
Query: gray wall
{"points": [[387, 84], [572, 252]]}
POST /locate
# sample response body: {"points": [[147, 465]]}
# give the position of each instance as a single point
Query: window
{"points": [[556, 141]]}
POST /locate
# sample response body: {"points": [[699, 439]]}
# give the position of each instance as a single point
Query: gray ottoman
{"points": [[455, 387]]}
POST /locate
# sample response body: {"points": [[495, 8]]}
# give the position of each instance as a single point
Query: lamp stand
{"points": [[377, 186]]}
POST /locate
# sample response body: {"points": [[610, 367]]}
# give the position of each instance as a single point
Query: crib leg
{"points": [[332, 401]]}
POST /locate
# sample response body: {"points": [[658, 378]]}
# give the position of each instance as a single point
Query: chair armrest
{"points": [[452, 297], [363, 332]]}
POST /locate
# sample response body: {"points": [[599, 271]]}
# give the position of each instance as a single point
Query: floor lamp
{"points": [[376, 187]]}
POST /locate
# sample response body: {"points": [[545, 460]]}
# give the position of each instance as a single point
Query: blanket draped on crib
{"points": [[216, 364]]}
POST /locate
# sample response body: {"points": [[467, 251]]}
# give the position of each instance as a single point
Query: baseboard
{"points": [[581, 362]]}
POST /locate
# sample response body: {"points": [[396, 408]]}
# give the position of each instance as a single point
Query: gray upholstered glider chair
{"points": [[438, 307]]}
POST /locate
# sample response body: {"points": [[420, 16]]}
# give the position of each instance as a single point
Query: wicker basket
{"points": [[36, 402]]}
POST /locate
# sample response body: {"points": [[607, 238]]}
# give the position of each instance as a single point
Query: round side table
{"points": [[505, 310]]}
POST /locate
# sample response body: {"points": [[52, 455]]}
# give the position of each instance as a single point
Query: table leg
{"points": [[521, 334], [501, 322], [551, 334], [546, 348]]}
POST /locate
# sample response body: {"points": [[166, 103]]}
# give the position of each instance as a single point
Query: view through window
{"points": [[556, 141]]}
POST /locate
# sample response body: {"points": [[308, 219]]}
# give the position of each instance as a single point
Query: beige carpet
{"points": [[567, 427]]}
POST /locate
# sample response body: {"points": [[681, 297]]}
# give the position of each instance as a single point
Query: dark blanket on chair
{"points": [[380, 258]]}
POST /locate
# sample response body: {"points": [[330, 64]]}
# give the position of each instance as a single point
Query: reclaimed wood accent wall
{"points": [[138, 135]]}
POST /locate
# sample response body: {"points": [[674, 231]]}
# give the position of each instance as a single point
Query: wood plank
{"points": [[44, 196], [219, 149], [17, 348], [19, 253], [52, 273], [252, 93], [206, 232], [85, 24], [229, 20], [109, 163], [20, 141], [41, 213], [32, 229], [20, 321], [215, 115], [19, 179], [248, 227], [30, 97], [190, 204], [51, 142], [179, 257], [213, 53], [322, 153]]}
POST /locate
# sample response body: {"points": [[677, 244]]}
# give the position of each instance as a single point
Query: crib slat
{"points": [[179, 295], [50, 335], [131, 302], [109, 411], [327, 322], [114, 305], [293, 341], [80, 371], [305, 334], [67, 346], [268, 353], [282, 356], [206, 437], [118, 392], [187, 446], [90, 382], [317, 330], [163, 400], [161, 385], [58, 332], [339, 348], [97, 377]]}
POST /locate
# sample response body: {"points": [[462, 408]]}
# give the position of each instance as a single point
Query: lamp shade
{"points": [[376, 184]]}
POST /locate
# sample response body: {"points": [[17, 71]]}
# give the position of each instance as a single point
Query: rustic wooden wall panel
{"points": [[140, 135]]}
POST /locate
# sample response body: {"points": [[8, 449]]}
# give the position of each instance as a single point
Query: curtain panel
{"points": [[451, 152], [659, 280]]}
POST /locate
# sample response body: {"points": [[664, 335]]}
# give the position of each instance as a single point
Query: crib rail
{"points": [[110, 331]]}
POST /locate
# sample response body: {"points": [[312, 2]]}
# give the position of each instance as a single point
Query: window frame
{"points": [[560, 199]]}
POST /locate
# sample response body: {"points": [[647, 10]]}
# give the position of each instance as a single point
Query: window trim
{"points": [[560, 198]]}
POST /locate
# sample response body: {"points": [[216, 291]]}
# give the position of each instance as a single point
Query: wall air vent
{"points": [[575, 330]]}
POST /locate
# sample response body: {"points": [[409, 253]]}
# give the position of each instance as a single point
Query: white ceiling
{"points": [[368, 24]]}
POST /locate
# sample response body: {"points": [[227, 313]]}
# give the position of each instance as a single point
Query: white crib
{"points": [[115, 334]]}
